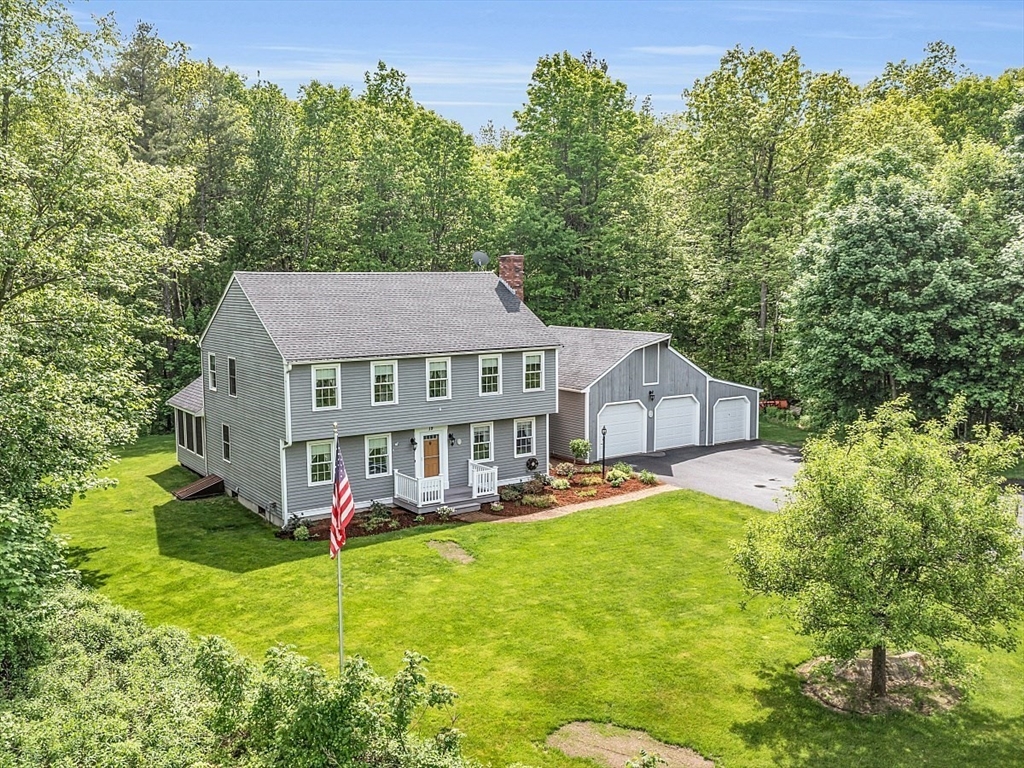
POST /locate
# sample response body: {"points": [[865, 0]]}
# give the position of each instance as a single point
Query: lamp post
{"points": [[604, 441]]}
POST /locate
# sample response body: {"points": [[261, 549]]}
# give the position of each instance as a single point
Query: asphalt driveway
{"points": [[754, 473]]}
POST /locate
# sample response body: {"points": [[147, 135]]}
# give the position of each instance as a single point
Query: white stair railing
{"points": [[406, 488], [483, 479], [431, 491]]}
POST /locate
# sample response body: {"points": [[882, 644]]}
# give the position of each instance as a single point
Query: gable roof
{"points": [[190, 398], [589, 353], [314, 316]]}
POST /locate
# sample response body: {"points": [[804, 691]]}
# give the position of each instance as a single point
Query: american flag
{"points": [[343, 507]]}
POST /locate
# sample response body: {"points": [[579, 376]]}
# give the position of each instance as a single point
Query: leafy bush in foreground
{"points": [[116, 692]]}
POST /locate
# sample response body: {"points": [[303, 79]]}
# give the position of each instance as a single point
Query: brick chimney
{"points": [[510, 269]]}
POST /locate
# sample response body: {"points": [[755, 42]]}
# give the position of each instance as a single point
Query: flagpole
{"points": [[341, 641]]}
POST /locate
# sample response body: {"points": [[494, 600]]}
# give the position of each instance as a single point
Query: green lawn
{"points": [[625, 614], [774, 432]]}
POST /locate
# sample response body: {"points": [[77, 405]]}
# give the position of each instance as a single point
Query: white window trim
{"points": [[337, 386], [230, 361], [366, 456], [309, 462], [211, 371], [394, 376], [179, 428], [657, 368], [480, 375], [224, 442], [448, 376], [198, 431], [542, 377], [490, 442], [533, 438]]}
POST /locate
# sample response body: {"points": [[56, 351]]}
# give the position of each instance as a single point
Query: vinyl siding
{"points": [[303, 499], [719, 389], [357, 415], [625, 382], [569, 423], [256, 415]]}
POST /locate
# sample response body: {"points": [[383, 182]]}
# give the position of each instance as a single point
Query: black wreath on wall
{"points": [[531, 464]]}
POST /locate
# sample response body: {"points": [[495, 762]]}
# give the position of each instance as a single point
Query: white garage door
{"points": [[676, 421], [731, 419], [625, 422]]}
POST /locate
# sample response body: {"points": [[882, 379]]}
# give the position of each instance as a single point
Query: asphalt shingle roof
{"points": [[343, 315], [190, 398], [588, 353]]}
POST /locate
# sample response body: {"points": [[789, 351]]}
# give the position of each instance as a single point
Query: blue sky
{"points": [[471, 61]]}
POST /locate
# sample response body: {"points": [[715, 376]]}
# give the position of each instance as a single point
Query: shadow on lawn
{"points": [[800, 733], [173, 478], [220, 533], [78, 557]]}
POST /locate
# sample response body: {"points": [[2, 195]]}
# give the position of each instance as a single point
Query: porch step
{"points": [[203, 488], [459, 499]]}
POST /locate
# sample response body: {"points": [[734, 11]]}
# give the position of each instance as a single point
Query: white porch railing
{"points": [[421, 492], [482, 479]]}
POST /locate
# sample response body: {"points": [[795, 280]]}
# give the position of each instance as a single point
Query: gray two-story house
{"points": [[440, 387]]}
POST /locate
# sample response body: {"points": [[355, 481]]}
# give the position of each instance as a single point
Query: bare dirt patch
{"points": [[613, 746], [451, 551], [846, 686]]}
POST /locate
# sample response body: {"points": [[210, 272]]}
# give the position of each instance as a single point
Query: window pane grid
{"points": [[326, 388], [533, 378], [384, 383], [225, 433], [437, 386], [524, 437], [489, 377], [320, 463], [481, 443], [377, 456]]}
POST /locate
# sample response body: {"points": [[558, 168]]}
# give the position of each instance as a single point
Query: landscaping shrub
{"points": [[301, 533], [444, 514], [541, 501], [497, 506], [580, 448], [648, 478], [616, 475], [379, 516], [565, 469], [590, 479], [623, 467], [590, 469], [533, 487], [587, 493], [560, 484], [512, 492]]}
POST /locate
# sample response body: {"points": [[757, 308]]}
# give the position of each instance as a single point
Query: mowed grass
{"points": [[776, 432], [625, 614]]}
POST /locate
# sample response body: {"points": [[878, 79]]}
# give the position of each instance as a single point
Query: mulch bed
{"points": [[569, 496], [320, 530]]}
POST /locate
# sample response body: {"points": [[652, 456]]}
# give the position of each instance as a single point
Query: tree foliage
{"points": [[897, 536]]}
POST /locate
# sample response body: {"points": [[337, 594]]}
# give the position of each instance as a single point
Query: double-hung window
{"points": [[321, 461], [378, 455], [482, 441], [524, 437], [383, 375], [439, 379], [212, 372], [490, 374], [232, 378], [533, 371], [225, 436], [181, 427], [326, 387]]}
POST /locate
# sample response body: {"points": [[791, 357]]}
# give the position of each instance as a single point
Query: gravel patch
{"points": [[452, 552], [612, 746]]}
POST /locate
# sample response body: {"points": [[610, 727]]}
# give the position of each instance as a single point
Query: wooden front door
{"points": [[431, 455]]}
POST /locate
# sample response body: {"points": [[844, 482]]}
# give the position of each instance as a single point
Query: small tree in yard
{"points": [[580, 448], [896, 536]]}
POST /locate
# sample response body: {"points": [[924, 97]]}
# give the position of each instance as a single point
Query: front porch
{"points": [[427, 494]]}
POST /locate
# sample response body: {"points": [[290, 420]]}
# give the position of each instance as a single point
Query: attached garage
{"points": [[649, 396], [626, 424], [676, 422], [732, 420]]}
